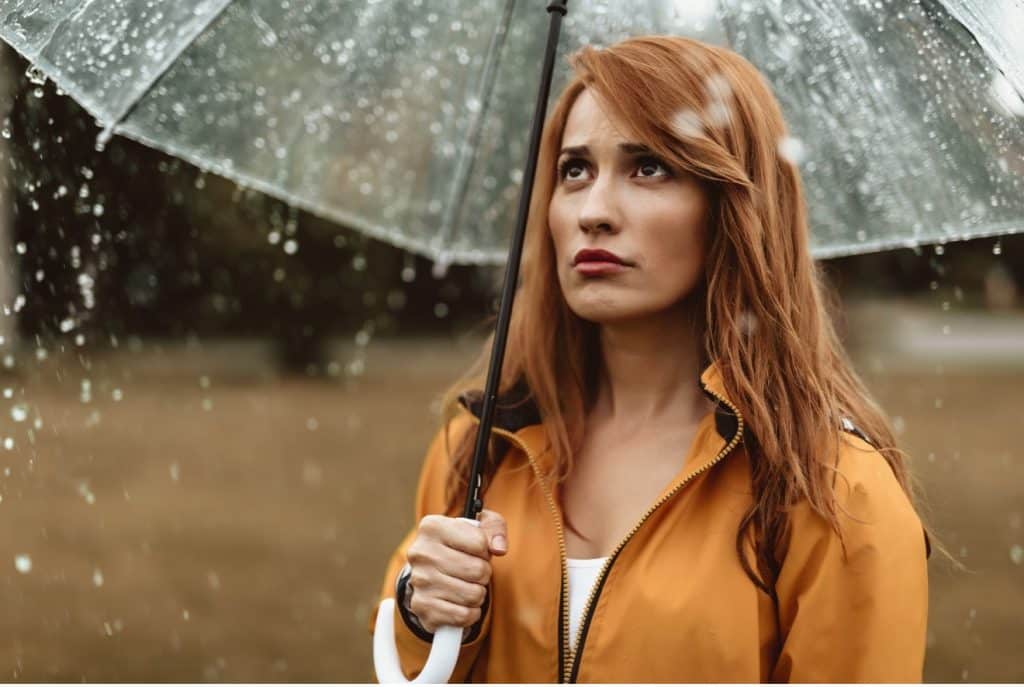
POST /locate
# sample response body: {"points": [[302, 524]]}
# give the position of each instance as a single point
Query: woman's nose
{"points": [[598, 211]]}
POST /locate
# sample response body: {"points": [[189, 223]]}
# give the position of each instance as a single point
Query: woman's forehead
{"points": [[589, 124]]}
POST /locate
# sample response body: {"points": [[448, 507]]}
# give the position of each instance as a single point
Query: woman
{"points": [[687, 480]]}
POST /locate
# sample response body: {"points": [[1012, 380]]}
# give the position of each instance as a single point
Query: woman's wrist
{"points": [[403, 597]]}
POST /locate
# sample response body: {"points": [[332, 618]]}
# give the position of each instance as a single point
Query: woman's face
{"points": [[612, 194]]}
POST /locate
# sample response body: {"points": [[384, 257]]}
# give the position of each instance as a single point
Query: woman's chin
{"points": [[608, 313]]}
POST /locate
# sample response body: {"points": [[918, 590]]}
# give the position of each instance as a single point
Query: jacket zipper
{"points": [[581, 633], [564, 657], [568, 659]]}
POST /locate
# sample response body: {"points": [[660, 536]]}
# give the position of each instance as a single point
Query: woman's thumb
{"points": [[493, 525]]}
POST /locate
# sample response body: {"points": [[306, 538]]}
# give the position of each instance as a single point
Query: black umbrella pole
{"points": [[474, 504]]}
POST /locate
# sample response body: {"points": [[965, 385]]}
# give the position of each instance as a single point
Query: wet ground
{"points": [[187, 515]]}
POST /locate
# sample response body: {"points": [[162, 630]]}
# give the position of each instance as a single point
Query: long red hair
{"points": [[709, 112]]}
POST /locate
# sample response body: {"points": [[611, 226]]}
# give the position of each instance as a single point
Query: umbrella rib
{"points": [[118, 117], [467, 158]]}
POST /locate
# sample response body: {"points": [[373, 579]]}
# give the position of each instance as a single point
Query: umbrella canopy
{"points": [[408, 120]]}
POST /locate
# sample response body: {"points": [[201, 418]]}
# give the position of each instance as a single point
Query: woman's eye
{"points": [[572, 169], [575, 169], [650, 167]]}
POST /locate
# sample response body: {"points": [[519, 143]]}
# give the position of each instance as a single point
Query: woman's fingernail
{"points": [[499, 543]]}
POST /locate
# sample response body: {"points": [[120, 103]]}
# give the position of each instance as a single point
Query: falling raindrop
{"points": [[792, 149], [97, 577], [23, 563], [175, 471], [688, 124], [86, 493], [19, 413], [1017, 554]]}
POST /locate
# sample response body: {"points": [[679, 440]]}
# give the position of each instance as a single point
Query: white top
{"points": [[583, 574]]}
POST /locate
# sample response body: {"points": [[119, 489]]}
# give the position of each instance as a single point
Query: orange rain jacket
{"points": [[673, 604]]}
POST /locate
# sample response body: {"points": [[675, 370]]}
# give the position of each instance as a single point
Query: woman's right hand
{"points": [[450, 568]]}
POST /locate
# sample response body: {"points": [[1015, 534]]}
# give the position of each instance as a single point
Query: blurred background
{"points": [[215, 407]]}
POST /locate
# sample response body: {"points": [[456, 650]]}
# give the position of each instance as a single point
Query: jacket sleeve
{"points": [[412, 648], [862, 617]]}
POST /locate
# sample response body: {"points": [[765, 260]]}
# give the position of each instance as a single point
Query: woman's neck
{"points": [[649, 369]]}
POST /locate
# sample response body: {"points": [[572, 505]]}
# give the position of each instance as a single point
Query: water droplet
{"points": [[9, 443], [20, 247], [97, 577], [688, 124], [291, 247], [86, 493], [997, 249], [35, 75], [175, 471], [19, 413], [792, 149], [1017, 554], [23, 563], [67, 324], [440, 310]]}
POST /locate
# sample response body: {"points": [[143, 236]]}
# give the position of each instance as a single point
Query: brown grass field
{"points": [[201, 519]]}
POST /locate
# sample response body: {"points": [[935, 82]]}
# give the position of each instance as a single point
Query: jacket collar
{"points": [[517, 413]]}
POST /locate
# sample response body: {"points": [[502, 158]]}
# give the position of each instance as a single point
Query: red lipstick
{"points": [[594, 261]]}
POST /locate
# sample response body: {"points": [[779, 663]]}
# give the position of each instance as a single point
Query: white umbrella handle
{"points": [[444, 652]]}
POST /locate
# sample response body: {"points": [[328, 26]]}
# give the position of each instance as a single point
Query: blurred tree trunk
{"points": [[8, 266]]}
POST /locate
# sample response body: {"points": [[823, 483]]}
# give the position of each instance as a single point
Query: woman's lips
{"points": [[596, 261], [592, 268]]}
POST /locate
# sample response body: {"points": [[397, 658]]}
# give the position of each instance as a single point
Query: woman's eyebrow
{"points": [[629, 148]]}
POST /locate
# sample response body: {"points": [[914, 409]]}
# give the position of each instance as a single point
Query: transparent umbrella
{"points": [[408, 120]]}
